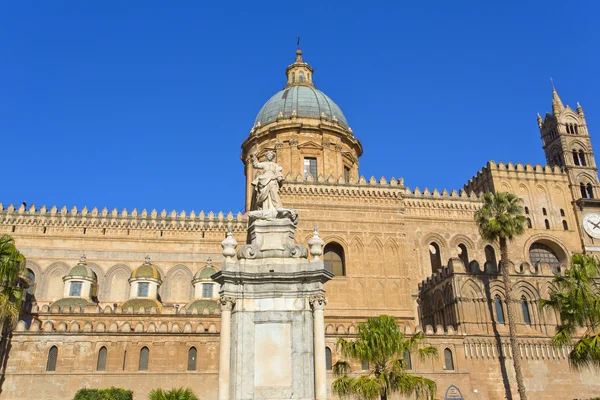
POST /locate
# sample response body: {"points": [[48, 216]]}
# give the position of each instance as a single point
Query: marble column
{"points": [[318, 305], [227, 304]]}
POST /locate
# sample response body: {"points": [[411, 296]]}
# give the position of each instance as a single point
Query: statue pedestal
{"points": [[274, 293]]}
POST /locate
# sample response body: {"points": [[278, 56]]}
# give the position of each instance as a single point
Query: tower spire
{"points": [[557, 104]]}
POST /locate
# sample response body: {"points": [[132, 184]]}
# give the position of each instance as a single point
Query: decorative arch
{"points": [[523, 288], [434, 237], [563, 254], [376, 256], [356, 255], [471, 289], [359, 295], [37, 272], [116, 285], [464, 239], [391, 256], [51, 283], [178, 285]]}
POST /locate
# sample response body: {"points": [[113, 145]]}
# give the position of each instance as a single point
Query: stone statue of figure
{"points": [[265, 193], [266, 202]]}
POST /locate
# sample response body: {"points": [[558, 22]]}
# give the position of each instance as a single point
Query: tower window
{"points": [[565, 225], [576, 130], [582, 190], [144, 359], [143, 289], [544, 211], [207, 290], [547, 223], [562, 212], [526, 210], [52, 358], [499, 310], [101, 364], [75, 289], [529, 223], [590, 191], [333, 257], [310, 166], [575, 157], [581, 158], [346, 174]]}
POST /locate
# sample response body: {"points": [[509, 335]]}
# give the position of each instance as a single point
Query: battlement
{"points": [[133, 219], [331, 180], [516, 171]]}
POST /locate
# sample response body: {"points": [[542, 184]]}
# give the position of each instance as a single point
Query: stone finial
{"points": [[83, 258], [229, 244], [316, 244], [147, 259], [580, 110], [539, 120]]}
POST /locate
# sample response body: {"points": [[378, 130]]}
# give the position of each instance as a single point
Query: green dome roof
{"points": [[82, 269], [307, 101], [146, 270], [205, 273], [146, 303], [72, 302], [201, 304]]}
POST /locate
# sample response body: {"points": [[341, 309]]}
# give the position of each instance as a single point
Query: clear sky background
{"points": [[144, 104]]}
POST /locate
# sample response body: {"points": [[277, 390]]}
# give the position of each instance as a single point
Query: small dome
{"points": [[306, 101], [201, 304], [72, 302], [205, 273], [146, 303], [82, 270], [146, 270]]}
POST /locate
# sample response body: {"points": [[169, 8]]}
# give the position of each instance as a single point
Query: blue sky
{"points": [[144, 104]]}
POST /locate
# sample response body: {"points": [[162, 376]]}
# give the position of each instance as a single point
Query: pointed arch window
{"points": [[525, 309], [328, 363], [575, 157], [333, 258], [590, 191], [144, 359], [435, 257], [192, 357], [52, 359], [101, 364], [499, 309], [583, 190], [490, 256], [582, 157], [463, 254], [448, 360]]}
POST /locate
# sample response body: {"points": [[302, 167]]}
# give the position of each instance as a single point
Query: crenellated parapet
{"points": [[95, 218], [485, 180]]}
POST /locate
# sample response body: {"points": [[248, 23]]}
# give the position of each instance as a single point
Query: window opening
{"points": [[207, 290], [435, 257], [143, 289], [499, 310], [75, 289], [328, 363], [333, 257], [192, 355], [144, 358], [310, 167], [101, 364], [525, 309], [448, 361], [52, 359], [540, 253]]}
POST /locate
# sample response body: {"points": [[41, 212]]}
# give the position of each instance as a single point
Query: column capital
{"points": [[226, 303], [318, 302]]}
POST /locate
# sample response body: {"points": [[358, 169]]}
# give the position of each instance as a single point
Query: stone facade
{"points": [[415, 254]]}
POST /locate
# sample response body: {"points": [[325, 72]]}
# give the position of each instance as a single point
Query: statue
{"points": [[266, 202]]}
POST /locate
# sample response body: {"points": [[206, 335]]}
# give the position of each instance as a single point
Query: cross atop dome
{"points": [[299, 73]]}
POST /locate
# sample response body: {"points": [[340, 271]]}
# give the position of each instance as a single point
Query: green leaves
{"points": [[576, 298], [104, 394], [173, 394], [500, 216], [12, 264], [381, 343]]}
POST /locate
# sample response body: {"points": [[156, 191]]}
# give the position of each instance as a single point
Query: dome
{"points": [[82, 270], [146, 270], [201, 304], [205, 273], [72, 302], [146, 303], [307, 101]]}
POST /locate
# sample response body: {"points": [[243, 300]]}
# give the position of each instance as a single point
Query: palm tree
{"points": [[12, 264], [500, 219], [173, 394], [576, 299], [383, 346]]}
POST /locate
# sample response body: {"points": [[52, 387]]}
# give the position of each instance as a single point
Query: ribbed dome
{"points": [[82, 270], [205, 273], [146, 270], [307, 101]]}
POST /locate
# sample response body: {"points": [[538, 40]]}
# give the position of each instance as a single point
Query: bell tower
{"points": [[566, 143]]}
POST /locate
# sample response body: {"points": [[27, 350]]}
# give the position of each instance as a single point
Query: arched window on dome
{"points": [[293, 78], [75, 289], [101, 364], [435, 257], [333, 257], [301, 77], [143, 289]]}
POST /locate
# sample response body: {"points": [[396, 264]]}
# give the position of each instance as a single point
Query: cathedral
{"points": [[126, 298]]}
